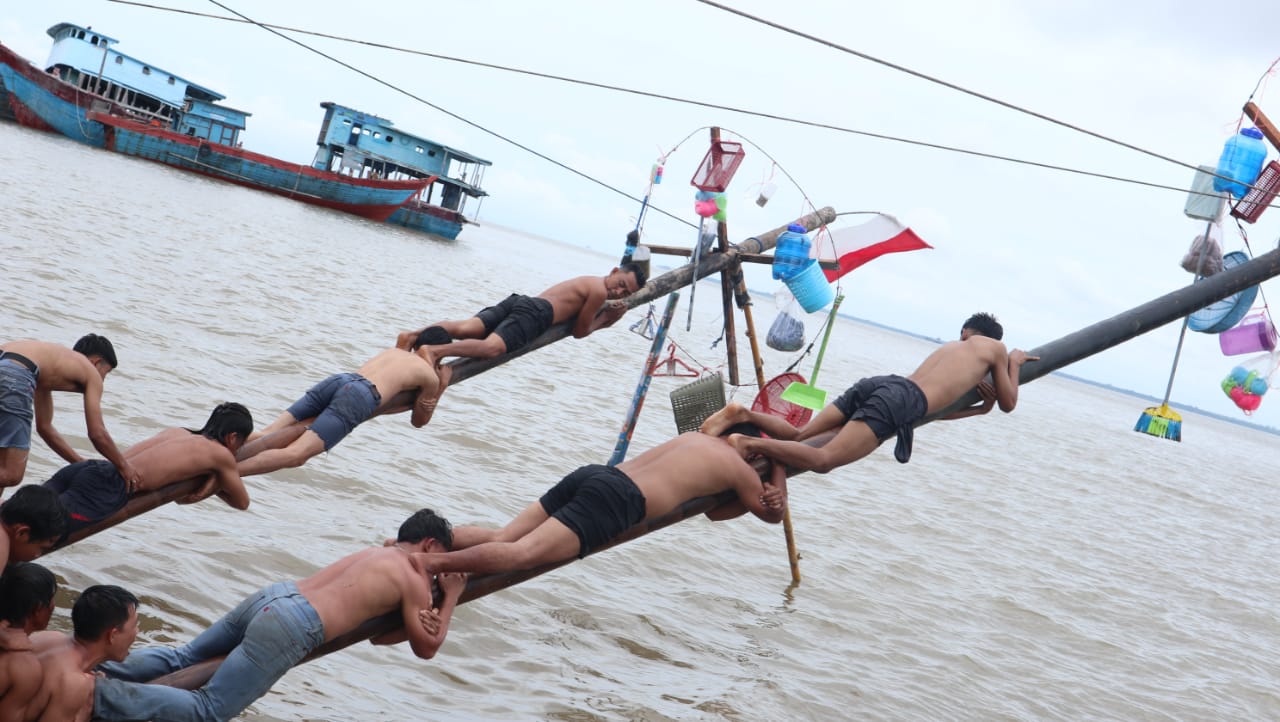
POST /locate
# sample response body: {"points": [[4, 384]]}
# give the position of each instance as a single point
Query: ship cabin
{"points": [[366, 146], [88, 60]]}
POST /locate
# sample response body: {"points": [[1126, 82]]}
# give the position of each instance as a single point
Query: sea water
{"points": [[1049, 564]]}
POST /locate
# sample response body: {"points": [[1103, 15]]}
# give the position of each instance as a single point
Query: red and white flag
{"points": [[854, 246]]}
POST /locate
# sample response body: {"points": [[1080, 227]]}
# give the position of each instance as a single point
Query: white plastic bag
{"points": [[787, 331]]}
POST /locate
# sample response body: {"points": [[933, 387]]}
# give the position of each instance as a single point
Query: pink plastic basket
{"points": [[1255, 333]]}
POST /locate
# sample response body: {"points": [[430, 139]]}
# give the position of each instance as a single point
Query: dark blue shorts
{"points": [[339, 404], [597, 502], [90, 491]]}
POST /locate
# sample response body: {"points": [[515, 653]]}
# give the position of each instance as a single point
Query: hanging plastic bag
{"points": [[1204, 256], [1249, 381], [787, 331]]}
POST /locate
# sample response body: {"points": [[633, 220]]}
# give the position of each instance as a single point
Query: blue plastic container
{"points": [[791, 252], [1241, 160], [811, 288]]}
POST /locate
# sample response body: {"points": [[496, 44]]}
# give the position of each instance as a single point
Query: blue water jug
{"points": [[1242, 159], [791, 253]]}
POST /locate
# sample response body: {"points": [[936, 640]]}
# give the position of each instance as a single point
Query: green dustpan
{"points": [[809, 395]]}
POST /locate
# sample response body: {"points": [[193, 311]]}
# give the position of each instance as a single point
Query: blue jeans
{"points": [[17, 405], [263, 639], [339, 404]]}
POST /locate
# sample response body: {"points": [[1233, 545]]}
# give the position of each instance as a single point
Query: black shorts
{"points": [[90, 490], [597, 502], [518, 320], [889, 405]]}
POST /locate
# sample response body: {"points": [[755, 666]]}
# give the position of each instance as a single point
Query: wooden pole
{"points": [[465, 369], [1264, 124], [1053, 356], [744, 302], [726, 288]]}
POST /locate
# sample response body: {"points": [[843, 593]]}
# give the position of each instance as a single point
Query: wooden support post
{"points": [[1264, 124], [726, 288]]}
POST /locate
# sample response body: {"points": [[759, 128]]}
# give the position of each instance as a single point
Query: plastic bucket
{"points": [[1255, 333], [811, 289]]}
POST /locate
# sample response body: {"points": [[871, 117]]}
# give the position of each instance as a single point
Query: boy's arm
{"points": [[425, 403], [1011, 371], [416, 596], [988, 394], [44, 427], [231, 487], [585, 323], [756, 498], [97, 429]]}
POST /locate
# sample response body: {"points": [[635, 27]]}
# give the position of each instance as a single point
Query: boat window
{"points": [[171, 81], [376, 134], [146, 70], [417, 149], [94, 41], [119, 60], [80, 36], [366, 131], [390, 139], [346, 121], [431, 153]]}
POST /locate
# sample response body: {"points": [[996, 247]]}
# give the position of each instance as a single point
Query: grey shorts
{"points": [[17, 405], [339, 404]]}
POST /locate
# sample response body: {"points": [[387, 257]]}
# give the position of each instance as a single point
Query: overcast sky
{"points": [[1048, 252]]}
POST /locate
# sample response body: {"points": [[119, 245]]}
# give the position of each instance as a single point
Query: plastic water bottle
{"points": [[791, 253], [1241, 160]]}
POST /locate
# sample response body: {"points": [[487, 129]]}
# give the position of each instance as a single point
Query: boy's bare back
{"points": [[569, 297], [362, 586], [395, 370], [61, 368], [956, 367], [689, 466], [176, 454]]}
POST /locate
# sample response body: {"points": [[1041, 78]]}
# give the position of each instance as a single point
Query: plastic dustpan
{"points": [[809, 395]]}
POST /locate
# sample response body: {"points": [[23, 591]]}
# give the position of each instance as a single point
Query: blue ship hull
{"points": [[373, 199], [432, 219], [41, 101]]}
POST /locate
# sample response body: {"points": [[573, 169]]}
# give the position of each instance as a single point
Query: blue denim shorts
{"points": [[17, 405], [339, 404]]}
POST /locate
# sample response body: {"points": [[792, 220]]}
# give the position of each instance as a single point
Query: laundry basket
{"points": [[694, 402]]}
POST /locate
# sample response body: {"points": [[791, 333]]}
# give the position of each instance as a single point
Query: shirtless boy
{"points": [[32, 521], [26, 603], [593, 505], [93, 490], [278, 626], [392, 382], [878, 407], [105, 623], [29, 372], [512, 324]]}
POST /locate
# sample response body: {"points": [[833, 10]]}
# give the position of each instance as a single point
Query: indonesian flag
{"points": [[854, 246]]}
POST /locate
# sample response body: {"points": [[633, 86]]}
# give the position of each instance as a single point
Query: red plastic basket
{"points": [[718, 166], [1263, 192], [769, 401]]}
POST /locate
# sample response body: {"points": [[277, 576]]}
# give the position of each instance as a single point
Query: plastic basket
{"points": [[1255, 333], [1222, 315], [693, 403], [718, 166], [811, 288], [1260, 196]]}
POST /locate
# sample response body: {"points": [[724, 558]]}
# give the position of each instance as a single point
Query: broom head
{"points": [[1160, 421]]}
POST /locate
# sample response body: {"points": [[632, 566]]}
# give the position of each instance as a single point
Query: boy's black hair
{"points": [[638, 270], [24, 588], [101, 608], [91, 344], [227, 418], [746, 428], [984, 324], [425, 523], [39, 508], [432, 336]]}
